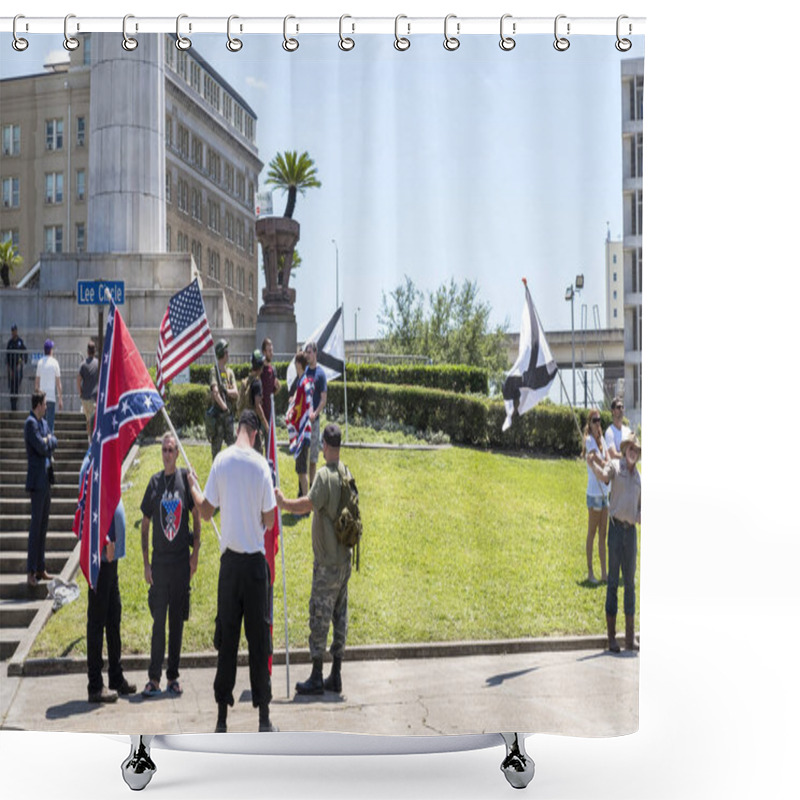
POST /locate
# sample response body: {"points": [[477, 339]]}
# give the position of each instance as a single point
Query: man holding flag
{"points": [[126, 401]]}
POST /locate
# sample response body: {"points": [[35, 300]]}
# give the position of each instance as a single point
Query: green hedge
{"points": [[466, 419], [450, 378], [186, 405]]}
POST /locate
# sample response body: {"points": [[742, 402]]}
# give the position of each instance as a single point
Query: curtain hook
{"points": [[70, 42], [506, 42], [400, 42], [128, 42], [19, 44], [182, 42], [561, 43], [290, 45], [623, 45], [233, 44], [345, 43], [451, 42]]}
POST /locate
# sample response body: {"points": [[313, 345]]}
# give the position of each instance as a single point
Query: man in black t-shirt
{"points": [[167, 503]]}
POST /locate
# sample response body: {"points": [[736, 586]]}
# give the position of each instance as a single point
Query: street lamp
{"points": [[337, 271], [355, 328], [569, 296]]}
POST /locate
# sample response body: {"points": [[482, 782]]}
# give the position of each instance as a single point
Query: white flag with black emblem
{"points": [[329, 338], [528, 381]]}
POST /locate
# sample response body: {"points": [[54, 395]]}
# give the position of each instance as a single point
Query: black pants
{"points": [[13, 387], [37, 533], [242, 593], [105, 612], [169, 593]]}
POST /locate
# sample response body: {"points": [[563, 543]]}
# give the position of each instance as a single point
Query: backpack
{"points": [[347, 524], [244, 401]]}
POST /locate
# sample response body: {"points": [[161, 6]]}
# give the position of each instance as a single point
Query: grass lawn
{"points": [[458, 544]]}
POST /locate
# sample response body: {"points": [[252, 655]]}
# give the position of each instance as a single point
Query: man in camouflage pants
{"points": [[332, 564], [219, 416]]}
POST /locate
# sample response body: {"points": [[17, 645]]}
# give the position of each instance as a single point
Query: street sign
{"points": [[92, 293]]}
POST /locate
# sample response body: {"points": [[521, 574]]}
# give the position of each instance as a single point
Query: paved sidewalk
{"points": [[574, 692]]}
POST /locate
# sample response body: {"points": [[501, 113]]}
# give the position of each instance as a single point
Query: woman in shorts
{"points": [[594, 449]]}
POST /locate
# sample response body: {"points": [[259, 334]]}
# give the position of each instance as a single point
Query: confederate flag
{"points": [[126, 400]]}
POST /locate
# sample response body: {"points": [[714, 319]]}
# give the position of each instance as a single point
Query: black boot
{"points": [[222, 718], [264, 725], [630, 638], [611, 624], [314, 684], [333, 683]]}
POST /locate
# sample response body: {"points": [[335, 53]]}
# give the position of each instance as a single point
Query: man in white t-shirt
{"points": [[617, 430], [240, 485], [48, 380]]}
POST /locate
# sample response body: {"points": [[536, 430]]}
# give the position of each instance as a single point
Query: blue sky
{"points": [[476, 164]]}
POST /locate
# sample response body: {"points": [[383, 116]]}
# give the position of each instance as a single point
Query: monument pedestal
{"points": [[281, 328]]}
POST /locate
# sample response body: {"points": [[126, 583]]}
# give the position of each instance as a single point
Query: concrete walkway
{"points": [[577, 692]]}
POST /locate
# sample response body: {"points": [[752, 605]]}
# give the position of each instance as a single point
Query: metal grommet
{"points": [[233, 44], [506, 42], [70, 42], [128, 42], [19, 44], [400, 42], [451, 42], [345, 43], [561, 43], [623, 45], [182, 42], [290, 45]]}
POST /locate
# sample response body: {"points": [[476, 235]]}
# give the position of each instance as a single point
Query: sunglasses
{"points": [[595, 419], [167, 449]]}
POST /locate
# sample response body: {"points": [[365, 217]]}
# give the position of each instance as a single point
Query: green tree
{"points": [[452, 329], [292, 173], [10, 259]]}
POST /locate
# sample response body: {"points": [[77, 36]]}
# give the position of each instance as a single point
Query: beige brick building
{"points": [[211, 169]]}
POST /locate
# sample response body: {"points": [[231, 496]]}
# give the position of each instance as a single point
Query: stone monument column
{"points": [[277, 236], [127, 210]]}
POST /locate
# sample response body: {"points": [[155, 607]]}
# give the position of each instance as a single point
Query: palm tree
{"points": [[292, 173], [10, 259]]}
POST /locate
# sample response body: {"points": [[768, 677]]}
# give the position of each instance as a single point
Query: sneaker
{"points": [[103, 696], [174, 688], [125, 688], [151, 689]]}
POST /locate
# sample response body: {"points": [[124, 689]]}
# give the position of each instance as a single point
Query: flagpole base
{"points": [[138, 768], [517, 766]]}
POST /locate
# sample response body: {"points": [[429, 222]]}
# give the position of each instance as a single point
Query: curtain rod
{"points": [[186, 24]]}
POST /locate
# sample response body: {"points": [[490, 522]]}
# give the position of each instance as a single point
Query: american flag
{"points": [[126, 400], [184, 334]]}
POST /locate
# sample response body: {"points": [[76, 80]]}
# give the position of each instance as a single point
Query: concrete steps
{"points": [[20, 603]]}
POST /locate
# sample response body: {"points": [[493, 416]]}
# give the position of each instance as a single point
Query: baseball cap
{"points": [[249, 418], [257, 359], [220, 347], [13, 326], [48, 345], [332, 435]]}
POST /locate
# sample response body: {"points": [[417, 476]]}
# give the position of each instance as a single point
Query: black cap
{"points": [[249, 418], [332, 435], [13, 326]]}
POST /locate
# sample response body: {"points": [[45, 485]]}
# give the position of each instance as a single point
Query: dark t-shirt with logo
{"points": [[168, 503]]}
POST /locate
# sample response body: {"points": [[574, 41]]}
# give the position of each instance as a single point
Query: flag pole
{"points": [[283, 559], [344, 376], [185, 457]]}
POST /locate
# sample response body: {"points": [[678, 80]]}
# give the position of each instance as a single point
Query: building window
{"points": [[197, 152], [195, 72], [168, 186], [54, 134], [169, 238], [10, 192], [615, 294], [211, 91], [615, 274], [183, 58], [54, 187], [183, 197], [213, 264], [637, 98], [53, 239], [636, 165], [228, 181], [240, 185], [226, 106], [197, 253], [228, 273], [249, 128], [183, 141], [80, 184], [213, 166], [237, 117], [87, 50], [251, 195], [251, 242], [228, 226], [250, 283], [183, 243], [80, 237], [614, 261], [213, 216], [168, 131], [197, 205], [637, 385], [240, 234], [10, 140], [636, 212], [169, 52], [615, 313], [80, 133], [10, 236]]}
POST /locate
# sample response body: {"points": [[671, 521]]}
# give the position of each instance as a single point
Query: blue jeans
{"points": [[50, 415], [621, 555]]}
